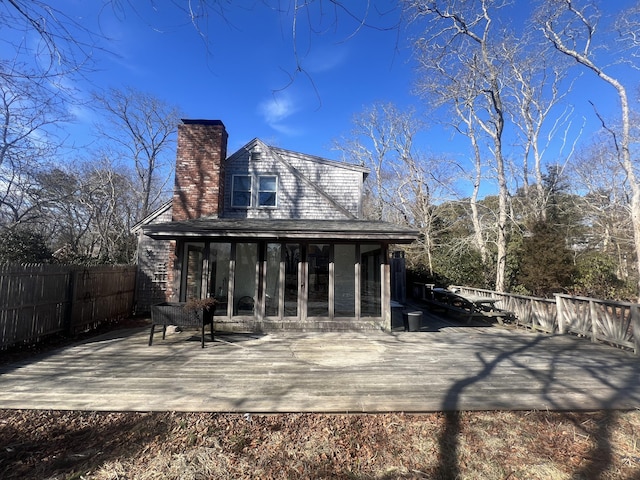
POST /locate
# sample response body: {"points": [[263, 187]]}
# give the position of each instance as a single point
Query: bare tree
{"points": [[371, 143], [538, 87], [109, 196], [140, 128], [597, 172], [403, 183], [35, 29], [63, 216], [459, 98], [87, 212], [571, 27], [29, 117], [461, 38]]}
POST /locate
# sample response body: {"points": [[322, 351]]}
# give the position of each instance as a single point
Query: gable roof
{"points": [[298, 155], [152, 216]]}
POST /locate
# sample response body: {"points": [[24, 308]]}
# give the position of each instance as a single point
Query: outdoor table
{"points": [[485, 306], [468, 305], [481, 302]]}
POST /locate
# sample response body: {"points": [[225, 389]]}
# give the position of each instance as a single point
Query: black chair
{"points": [[245, 306]]}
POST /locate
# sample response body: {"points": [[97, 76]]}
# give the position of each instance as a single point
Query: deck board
{"points": [[440, 368]]}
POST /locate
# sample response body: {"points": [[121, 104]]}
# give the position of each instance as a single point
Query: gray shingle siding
{"points": [[152, 276], [301, 181]]}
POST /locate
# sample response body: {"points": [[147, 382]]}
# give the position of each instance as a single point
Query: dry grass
{"points": [[467, 445]]}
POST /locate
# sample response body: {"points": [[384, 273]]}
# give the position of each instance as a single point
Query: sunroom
{"points": [[278, 274]]}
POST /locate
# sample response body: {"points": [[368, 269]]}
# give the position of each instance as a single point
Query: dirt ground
{"points": [[455, 445]]}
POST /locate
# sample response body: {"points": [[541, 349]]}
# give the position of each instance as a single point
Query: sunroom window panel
{"points": [[293, 258], [345, 283], [370, 280], [219, 256], [272, 285], [318, 292], [193, 274], [245, 278]]}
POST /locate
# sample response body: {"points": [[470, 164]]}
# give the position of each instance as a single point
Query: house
{"points": [[276, 236]]}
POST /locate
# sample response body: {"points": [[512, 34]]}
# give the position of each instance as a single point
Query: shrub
{"points": [[596, 277], [23, 246]]}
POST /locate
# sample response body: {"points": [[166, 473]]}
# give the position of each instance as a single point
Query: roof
{"points": [[319, 160], [152, 216], [265, 147], [294, 229]]}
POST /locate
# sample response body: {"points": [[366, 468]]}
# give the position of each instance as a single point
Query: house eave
{"points": [[266, 229], [152, 216]]}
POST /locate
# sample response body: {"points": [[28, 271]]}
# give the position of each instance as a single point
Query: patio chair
{"points": [[245, 306]]}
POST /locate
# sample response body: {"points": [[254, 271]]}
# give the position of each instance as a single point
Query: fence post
{"points": [[71, 297], [560, 314], [593, 318], [635, 327]]}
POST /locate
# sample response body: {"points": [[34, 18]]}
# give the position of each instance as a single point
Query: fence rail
{"points": [[41, 300], [616, 323]]}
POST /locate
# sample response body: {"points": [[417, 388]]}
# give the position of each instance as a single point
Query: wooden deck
{"points": [[443, 367]]}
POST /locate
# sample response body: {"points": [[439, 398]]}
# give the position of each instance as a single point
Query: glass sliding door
{"points": [[318, 281], [244, 286], [344, 280], [370, 281], [272, 280], [292, 259]]}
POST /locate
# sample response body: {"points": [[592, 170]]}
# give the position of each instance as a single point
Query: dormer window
{"points": [[261, 193]]}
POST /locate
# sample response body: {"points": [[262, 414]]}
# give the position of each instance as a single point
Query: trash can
{"points": [[412, 321]]}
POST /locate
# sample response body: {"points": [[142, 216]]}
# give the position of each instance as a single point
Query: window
{"points": [[267, 190], [241, 194]]}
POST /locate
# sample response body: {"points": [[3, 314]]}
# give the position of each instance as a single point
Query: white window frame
{"points": [[234, 190], [259, 191]]}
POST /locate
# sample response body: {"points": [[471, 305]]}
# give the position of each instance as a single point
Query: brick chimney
{"points": [[199, 185]]}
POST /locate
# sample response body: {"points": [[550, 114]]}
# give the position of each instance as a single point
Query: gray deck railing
{"points": [[616, 323], [41, 300]]}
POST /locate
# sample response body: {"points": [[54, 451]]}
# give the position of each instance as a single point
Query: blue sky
{"points": [[242, 73], [243, 77]]}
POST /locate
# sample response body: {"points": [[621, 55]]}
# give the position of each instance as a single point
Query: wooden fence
{"points": [[40, 300], [616, 323]]}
